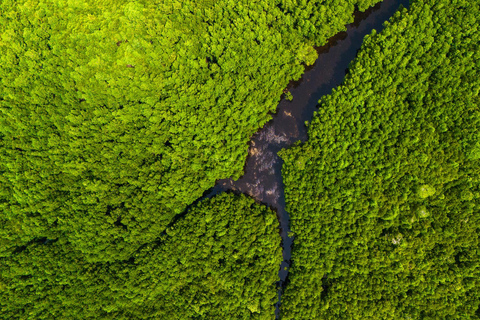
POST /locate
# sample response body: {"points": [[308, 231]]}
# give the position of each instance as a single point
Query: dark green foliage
{"points": [[114, 116], [385, 195], [218, 262], [318, 20]]}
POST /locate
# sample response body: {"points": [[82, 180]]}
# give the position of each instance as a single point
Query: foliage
{"points": [[289, 96], [220, 261], [384, 197], [116, 115]]}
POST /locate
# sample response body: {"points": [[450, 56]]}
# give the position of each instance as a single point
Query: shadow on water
{"points": [[262, 178]]}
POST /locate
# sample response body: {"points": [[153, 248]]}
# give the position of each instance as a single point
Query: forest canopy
{"points": [[116, 115], [219, 261], [384, 196]]}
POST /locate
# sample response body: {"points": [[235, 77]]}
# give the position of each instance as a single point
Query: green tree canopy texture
{"points": [[384, 197], [116, 115], [220, 261]]}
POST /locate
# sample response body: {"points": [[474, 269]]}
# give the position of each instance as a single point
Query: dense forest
{"points": [[220, 261], [384, 197], [117, 115]]}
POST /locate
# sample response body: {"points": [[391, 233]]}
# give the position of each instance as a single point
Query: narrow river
{"points": [[262, 179]]}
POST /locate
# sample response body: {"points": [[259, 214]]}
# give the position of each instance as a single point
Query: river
{"points": [[262, 178]]}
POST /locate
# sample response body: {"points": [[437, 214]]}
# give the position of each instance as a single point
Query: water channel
{"points": [[262, 178]]}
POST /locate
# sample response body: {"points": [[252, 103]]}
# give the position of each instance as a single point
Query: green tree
{"points": [[384, 195], [115, 116], [219, 261]]}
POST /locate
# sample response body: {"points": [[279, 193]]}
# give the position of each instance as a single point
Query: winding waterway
{"points": [[262, 178]]}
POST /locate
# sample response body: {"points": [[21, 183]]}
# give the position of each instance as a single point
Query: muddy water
{"points": [[262, 179]]}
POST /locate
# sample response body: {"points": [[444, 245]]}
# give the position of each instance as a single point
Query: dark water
{"points": [[262, 179]]}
